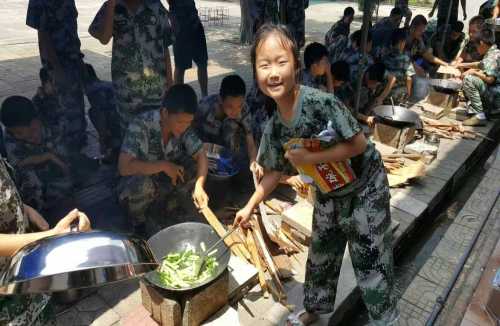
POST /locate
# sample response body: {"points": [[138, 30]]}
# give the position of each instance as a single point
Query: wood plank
{"points": [[300, 217], [256, 260]]}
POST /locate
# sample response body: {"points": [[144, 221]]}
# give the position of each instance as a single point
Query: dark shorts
{"points": [[190, 45]]}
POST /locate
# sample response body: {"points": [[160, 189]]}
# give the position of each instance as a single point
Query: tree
{"points": [[246, 25]]}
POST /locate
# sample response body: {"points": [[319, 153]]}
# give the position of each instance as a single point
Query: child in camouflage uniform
{"points": [[161, 157], [224, 119], [140, 61], [340, 28], [317, 73], [482, 80], [56, 23], [398, 64], [453, 39], [357, 213], [382, 32], [405, 10], [37, 155], [468, 51]]}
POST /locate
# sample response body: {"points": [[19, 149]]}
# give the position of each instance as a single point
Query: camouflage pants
{"points": [[147, 199], [362, 220], [41, 192], [293, 16], [70, 93], [475, 90], [26, 310]]}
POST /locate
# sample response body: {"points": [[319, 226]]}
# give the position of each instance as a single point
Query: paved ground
{"points": [[19, 64]]}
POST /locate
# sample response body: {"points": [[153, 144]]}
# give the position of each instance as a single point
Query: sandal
{"points": [[294, 319]]}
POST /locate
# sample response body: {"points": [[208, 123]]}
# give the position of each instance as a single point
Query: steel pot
{"points": [[74, 261], [180, 237], [397, 116]]}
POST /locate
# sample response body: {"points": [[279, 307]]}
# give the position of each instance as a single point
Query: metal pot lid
{"points": [[75, 260]]}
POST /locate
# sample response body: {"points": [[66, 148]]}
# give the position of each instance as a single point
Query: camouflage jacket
{"points": [[382, 33], [17, 310], [339, 28], [18, 150], [451, 48], [490, 64], [213, 126], [256, 103], [315, 82], [469, 51], [58, 18], [398, 64], [143, 140], [336, 49], [140, 44], [314, 111], [415, 48]]}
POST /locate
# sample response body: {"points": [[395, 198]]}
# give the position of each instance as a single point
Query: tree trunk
{"points": [[246, 25]]}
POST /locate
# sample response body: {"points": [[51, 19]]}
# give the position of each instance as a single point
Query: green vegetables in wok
{"points": [[178, 269]]}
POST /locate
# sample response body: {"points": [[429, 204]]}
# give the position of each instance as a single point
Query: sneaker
{"points": [[474, 122]]}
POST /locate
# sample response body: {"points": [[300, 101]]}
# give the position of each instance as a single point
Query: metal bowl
{"points": [[180, 237], [74, 261], [213, 153]]}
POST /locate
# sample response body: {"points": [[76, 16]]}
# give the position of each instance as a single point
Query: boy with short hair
{"points": [[398, 65], [161, 151], [341, 77], [340, 28], [468, 51], [316, 73], [39, 159], [224, 119], [383, 29], [482, 80]]}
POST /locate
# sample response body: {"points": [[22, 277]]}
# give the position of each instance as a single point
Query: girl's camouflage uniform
{"points": [[357, 214], [25, 310]]}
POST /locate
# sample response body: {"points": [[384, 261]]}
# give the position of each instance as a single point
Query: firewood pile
{"points": [[265, 245], [448, 130], [402, 168]]}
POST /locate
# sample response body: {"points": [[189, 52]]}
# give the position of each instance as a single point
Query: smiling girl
{"points": [[357, 213]]}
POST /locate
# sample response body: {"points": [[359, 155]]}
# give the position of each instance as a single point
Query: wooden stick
{"points": [[220, 230], [256, 259], [259, 241]]}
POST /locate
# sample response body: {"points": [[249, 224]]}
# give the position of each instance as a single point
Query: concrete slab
{"points": [[407, 203], [410, 315]]}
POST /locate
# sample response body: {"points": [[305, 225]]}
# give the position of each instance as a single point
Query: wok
{"points": [[180, 237], [446, 86], [75, 260], [397, 116]]}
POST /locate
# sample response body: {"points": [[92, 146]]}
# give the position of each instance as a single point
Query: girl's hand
{"points": [[242, 218], [257, 170], [298, 156], [35, 218], [200, 197], [370, 121], [297, 184], [64, 225]]}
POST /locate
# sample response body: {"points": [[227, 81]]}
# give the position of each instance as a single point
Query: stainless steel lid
{"points": [[76, 260]]}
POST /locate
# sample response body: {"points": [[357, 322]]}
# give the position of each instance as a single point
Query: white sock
{"points": [[481, 116]]}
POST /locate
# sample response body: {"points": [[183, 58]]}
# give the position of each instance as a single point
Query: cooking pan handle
{"points": [[387, 117]]}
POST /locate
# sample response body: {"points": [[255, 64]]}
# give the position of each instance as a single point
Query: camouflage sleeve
{"points": [[166, 26], [136, 139], [490, 66], [246, 119], [271, 155], [343, 122], [98, 19], [14, 153], [35, 15], [192, 143]]}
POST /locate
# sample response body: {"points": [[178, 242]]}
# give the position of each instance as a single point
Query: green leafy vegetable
{"points": [[177, 269]]}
